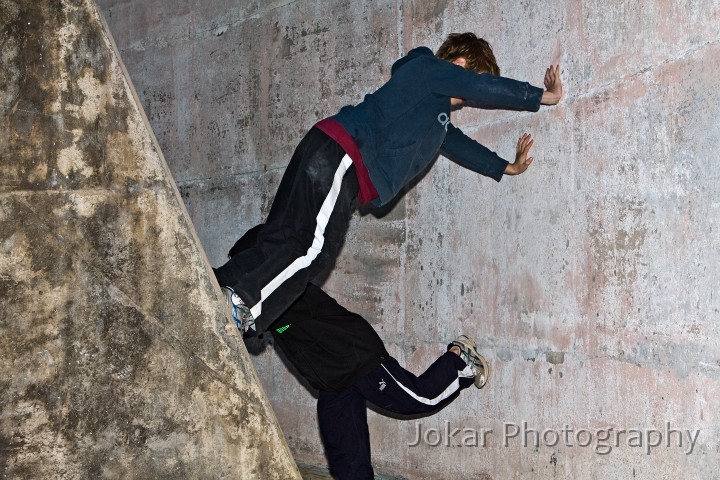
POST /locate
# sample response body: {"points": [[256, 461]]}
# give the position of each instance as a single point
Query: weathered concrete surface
{"points": [[113, 348], [590, 282]]}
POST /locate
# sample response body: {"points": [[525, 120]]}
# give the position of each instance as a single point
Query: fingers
{"points": [[552, 75], [553, 70], [556, 73], [522, 161], [525, 142]]}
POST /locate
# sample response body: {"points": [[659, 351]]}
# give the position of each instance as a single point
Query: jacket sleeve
{"points": [[481, 90], [472, 155]]}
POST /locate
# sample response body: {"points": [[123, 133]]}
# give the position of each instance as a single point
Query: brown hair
{"points": [[476, 51]]}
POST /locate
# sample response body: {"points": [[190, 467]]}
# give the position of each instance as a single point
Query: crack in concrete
{"points": [[206, 29], [647, 68], [215, 179], [598, 90]]}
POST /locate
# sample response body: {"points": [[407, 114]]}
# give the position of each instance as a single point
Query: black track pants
{"points": [[303, 233]]}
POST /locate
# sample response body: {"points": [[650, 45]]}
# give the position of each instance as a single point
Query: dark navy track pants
{"points": [[342, 416]]}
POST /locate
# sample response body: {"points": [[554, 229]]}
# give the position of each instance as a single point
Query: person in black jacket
{"points": [[370, 152], [341, 355]]}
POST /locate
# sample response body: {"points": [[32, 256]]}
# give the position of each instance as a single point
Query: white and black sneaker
{"points": [[240, 312], [472, 359]]}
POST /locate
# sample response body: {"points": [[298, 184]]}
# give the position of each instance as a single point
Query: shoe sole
{"points": [[241, 324], [480, 379]]}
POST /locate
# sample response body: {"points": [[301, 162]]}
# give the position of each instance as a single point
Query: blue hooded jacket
{"points": [[401, 127]]}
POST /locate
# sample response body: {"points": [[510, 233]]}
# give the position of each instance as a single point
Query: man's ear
{"points": [[460, 61]]}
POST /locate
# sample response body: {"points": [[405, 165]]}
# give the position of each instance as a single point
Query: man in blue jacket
{"points": [[369, 152]]}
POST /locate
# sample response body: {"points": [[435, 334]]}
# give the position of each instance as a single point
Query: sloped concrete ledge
{"points": [[114, 350]]}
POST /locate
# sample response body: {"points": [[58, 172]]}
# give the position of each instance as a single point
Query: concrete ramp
{"points": [[114, 353]]}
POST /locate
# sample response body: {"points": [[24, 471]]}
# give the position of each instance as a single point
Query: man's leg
{"points": [[303, 233], [343, 427], [393, 388]]}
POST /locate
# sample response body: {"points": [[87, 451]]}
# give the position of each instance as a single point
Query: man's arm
{"points": [[491, 92], [481, 90], [474, 156]]}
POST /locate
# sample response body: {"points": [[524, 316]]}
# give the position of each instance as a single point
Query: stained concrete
{"points": [[590, 282], [115, 356]]}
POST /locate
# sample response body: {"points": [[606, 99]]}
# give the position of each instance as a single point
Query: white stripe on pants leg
{"points": [[322, 219], [452, 388]]}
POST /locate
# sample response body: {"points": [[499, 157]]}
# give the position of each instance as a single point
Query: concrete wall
{"points": [[590, 282], [113, 349]]}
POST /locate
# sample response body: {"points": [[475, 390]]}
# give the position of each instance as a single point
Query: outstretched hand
{"points": [[553, 86], [522, 161]]}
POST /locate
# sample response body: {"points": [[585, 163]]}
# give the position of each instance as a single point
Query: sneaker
{"points": [[472, 358], [244, 320]]}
